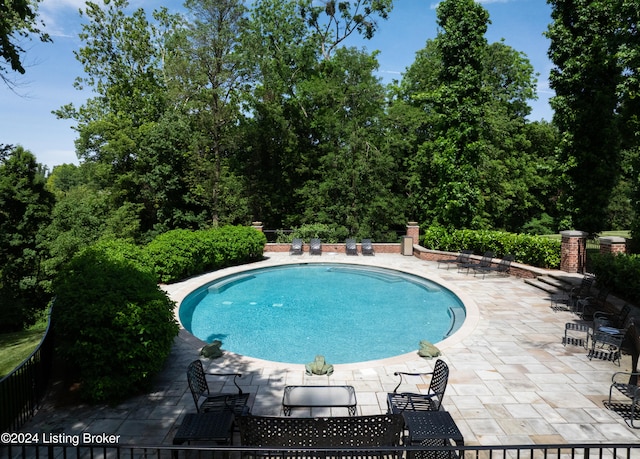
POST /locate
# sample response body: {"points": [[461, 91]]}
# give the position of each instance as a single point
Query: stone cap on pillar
{"points": [[612, 240], [573, 233]]}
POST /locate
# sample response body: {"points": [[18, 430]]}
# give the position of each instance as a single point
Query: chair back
{"points": [[585, 286], [197, 382], [439, 380], [487, 259], [505, 264]]}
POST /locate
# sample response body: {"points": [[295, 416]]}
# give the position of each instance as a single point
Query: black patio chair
{"points": [[501, 268], [485, 261], [351, 247], [367, 247], [463, 257], [205, 402], [315, 246], [586, 307], [296, 247], [627, 384], [431, 401]]}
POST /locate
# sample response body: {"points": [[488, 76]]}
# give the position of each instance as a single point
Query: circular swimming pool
{"points": [[348, 313]]}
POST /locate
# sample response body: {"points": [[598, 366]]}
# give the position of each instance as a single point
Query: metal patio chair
{"points": [[398, 402], [205, 402]]}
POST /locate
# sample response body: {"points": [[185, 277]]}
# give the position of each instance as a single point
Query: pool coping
{"points": [[180, 290]]}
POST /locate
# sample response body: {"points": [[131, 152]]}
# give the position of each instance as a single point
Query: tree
{"points": [[352, 171], [208, 74], [17, 17], [25, 207], [444, 170], [586, 77], [341, 19], [123, 61]]}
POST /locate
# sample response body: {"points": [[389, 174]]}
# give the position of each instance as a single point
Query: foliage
{"points": [[620, 273], [114, 327], [325, 232], [18, 18], [15, 347], [178, 254], [531, 250], [473, 160], [595, 102], [25, 208], [80, 217]]}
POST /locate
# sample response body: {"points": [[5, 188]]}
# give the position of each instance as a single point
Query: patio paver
{"points": [[511, 382]]}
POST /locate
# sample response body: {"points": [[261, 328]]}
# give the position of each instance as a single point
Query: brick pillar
{"points": [[573, 253], [613, 244], [257, 225], [413, 231]]}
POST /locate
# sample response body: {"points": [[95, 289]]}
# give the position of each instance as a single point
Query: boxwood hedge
{"points": [[114, 327], [178, 254], [531, 250]]}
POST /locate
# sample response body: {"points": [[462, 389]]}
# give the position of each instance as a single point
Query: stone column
{"points": [[573, 253], [613, 245], [257, 225], [413, 231]]}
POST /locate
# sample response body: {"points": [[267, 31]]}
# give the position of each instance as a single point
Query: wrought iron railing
{"points": [[560, 451], [22, 390]]}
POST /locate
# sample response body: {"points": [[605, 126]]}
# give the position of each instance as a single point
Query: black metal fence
{"points": [[576, 451], [22, 389]]}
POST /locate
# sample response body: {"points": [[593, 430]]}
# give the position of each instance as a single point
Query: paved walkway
{"points": [[511, 382]]}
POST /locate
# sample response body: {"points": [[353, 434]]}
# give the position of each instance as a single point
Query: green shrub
{"points": [[620, 273], [114, 326], [327, 233], [178, 254], [531, 250]]}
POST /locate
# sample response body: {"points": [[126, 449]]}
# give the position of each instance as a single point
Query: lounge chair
{"points": [[486, 261], [431, 401], [315, 246], [607, 345], [367, 247], [296, 247], [606, 319], [581, 291], [205, 402], [463, 257], [350, 247], [627, 384], [586, 307], [502, 268]]}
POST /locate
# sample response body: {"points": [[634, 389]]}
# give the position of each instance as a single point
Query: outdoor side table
{"points": [[432, 428], [214, 426], [319, 396]]}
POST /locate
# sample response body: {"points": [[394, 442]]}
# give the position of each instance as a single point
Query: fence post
{"points": [[573, 252], [613, 245], [413, 231], [257, 225]]}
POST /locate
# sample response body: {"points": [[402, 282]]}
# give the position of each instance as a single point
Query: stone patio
{"points": [[511, 379]]}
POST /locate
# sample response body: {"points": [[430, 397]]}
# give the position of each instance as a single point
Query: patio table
{"points": [[214, 427], [319, 396], [432, 428]]}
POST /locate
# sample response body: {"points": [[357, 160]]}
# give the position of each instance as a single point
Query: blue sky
{"points": [[25, 115]]}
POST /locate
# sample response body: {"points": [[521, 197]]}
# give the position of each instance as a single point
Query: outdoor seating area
{"points": [[315, 247], [507, 383], [411, 419]]}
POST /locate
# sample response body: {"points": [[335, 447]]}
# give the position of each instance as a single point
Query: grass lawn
{"points": [[15, 347]]}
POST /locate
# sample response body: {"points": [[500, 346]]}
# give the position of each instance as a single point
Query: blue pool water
{"points": [[348, 313]]}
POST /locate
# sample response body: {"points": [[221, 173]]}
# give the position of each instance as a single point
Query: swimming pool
{"points": [[348, 313]]}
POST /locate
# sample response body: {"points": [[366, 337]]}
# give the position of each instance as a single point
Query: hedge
{"points": [[620, 273], [527, 249], [113, 325], [178, 254]]}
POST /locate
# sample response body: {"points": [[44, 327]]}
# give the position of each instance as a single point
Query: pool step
{"points": [[555, 283]]}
